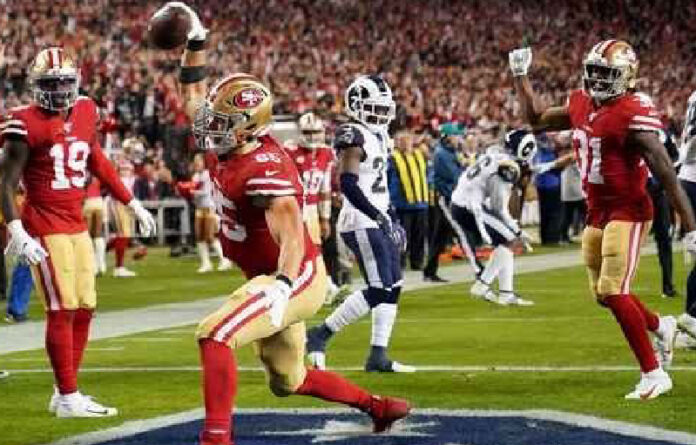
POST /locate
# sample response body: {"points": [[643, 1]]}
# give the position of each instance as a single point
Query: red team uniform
{"points": [[315, 168], [61, 155]]}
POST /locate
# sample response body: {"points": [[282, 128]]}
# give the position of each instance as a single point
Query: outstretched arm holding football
{"points": [[538, 115]]}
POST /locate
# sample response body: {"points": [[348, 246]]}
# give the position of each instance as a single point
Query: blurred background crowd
{"points": [[445, 60]]}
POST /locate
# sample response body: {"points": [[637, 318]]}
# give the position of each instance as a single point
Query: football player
{"points": [[52, 145], [205, 222], [258, 197], [687, 175], [364, 223], [314, 161], [615, 134], [480, 212], [121, 214]]}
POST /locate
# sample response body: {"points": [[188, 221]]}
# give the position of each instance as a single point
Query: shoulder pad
{"points": [[508, 170], [348, 136]]}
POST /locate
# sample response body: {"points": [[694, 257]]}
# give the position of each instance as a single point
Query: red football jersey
{"points": [[93, 188], [61, 153], [315, 170], [244, 233], [614, 175]]}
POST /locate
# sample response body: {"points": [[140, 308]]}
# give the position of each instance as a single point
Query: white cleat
{"points": [[687, 324], [684, 341], [651, 385], [665, 336], [122, 272], [400, 367], [224, 265], [78, 405], [53, 403], [205, 268], [4, 374], [512, 299], [318, 360], [483, 291]]}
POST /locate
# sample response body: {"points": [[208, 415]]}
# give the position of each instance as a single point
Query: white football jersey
{"points": [[203, 190], [482, 186], [686, 156], [372, 180]]}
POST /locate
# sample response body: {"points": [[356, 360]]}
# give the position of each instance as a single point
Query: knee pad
{"points": [[376, 296]]}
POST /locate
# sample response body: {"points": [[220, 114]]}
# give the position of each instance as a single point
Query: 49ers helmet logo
{"points": [[248, 98]]}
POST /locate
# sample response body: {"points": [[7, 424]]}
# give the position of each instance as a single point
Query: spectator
{"points": [[446, 170], [408, 189], [548, 186], [147, 187]]}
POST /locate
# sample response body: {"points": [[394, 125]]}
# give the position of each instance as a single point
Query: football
{"points": [[168, 27]]}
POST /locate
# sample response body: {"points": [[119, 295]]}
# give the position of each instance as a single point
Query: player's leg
{"points": [[372, 256], [384, 317], [200, 230], [621, 241], [124, 229], [687, 320], [661, 233]]}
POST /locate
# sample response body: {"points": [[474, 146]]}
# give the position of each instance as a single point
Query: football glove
{"points": [[197, 31], [23, 246], [276, 295], [520, 60], [690, 243], [148, 226], [393, 230]]}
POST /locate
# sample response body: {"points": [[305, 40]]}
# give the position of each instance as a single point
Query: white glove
{"points": [[520, 60], [277, 296], [148, 226], [197, 31], [21, 245], [543, 167], [526, 240], [690, 243]]}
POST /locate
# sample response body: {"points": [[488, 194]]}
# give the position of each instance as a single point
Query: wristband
{"points": [[284, 279], [197, 45], [192, 74]]}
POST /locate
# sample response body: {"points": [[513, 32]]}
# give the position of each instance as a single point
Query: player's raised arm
{"points": [[660, 165], [193, 73], [536, 113]]}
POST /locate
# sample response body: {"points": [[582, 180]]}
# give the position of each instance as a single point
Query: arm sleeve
{"points": [[100, 167], [644, 116], [13, 128], [351, 190], [500, 203]]}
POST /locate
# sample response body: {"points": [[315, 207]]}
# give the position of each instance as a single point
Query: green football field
{"points": [[473, 355]]}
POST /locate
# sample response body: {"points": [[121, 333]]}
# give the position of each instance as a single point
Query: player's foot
{"points": [[651, 385], [78, 405], [224, 265], [4, 375], [205, 268], [434, 278], [669, 292], [122, 272], [383, 364], [483, 291], [316, 347], [512, 299], [387, 410], [214, 438], [14, 319], [53, 402], [664, 340], [687, 324], [140, 253], [684, 341]]}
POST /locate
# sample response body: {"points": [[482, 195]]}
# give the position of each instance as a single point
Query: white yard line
{"points": [[28, 336], [424, 368], [131, 428]]}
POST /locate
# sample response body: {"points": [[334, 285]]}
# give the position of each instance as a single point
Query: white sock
{"points": [[507, 269], [383, 317], [100, 252], [353, 308], [492, 267], [203, 253], [217, 248]]}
